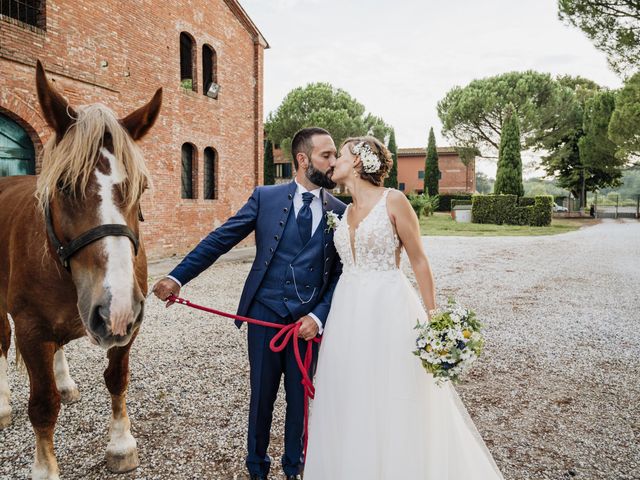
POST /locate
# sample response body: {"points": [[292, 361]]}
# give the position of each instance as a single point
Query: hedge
{"points": [[445, 200], [506, 209]]}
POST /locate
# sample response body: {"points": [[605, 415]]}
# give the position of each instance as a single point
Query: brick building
{"points": [[455, 177], [205, 152]]}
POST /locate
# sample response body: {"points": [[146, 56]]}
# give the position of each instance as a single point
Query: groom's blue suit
{"points": [[289, 279]]}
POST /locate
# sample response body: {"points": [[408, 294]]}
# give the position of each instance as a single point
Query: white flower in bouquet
{"points": [[450, 342]]}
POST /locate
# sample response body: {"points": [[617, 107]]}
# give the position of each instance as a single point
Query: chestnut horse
{"points": [[72, 264]]}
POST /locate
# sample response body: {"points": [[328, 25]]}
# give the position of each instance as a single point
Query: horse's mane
{"points": [[69, 163]]}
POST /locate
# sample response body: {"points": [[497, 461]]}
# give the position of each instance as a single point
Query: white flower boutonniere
{"points": [[332, 221]]}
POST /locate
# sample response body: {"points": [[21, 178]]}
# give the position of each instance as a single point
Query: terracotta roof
{"points": [[241, 14], [411, 152]]}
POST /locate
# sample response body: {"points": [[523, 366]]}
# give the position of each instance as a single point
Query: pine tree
{"points": [[431, 171], [269, 167], [392, 180], [509, 174]]}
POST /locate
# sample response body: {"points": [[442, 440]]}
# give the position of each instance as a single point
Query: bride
{"points": [[377, 414]]}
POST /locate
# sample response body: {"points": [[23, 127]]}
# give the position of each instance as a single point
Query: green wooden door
{"points": [[17, 155]]}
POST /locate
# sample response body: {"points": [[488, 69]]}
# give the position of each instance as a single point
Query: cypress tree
{"points": [[392, 179], [269, 167], [431, 171], [509, 174]]}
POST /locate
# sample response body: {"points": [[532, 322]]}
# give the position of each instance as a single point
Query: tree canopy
{"points": [[624, 128], [322, 105], [612, 25], [473, 116]]}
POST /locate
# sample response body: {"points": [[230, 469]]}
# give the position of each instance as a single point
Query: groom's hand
{"points": [[166, 287], [308, 328]]}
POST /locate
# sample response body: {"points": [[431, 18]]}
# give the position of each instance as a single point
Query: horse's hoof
{"points": [[5, 421], [70, 396], [123, 462]]}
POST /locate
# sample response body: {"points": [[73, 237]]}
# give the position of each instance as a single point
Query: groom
{"points": [[292, 280]]}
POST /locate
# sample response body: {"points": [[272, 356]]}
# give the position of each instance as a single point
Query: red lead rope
{"points": [[278, 343]]}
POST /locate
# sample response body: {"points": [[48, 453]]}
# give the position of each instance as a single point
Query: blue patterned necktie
{"points": [[305, 217]]}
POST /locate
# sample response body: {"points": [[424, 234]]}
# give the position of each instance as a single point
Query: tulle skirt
{"points": [[377, 415]]}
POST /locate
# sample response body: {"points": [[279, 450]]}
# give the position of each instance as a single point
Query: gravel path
{"points": [[555, 396]]}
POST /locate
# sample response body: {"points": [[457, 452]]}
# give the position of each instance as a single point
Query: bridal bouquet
{"points": [[450, 342]]}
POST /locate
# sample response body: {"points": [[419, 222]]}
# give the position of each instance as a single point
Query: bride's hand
{"points": [[308, 329]]}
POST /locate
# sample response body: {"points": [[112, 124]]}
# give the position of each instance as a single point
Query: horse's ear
{"points": [[57, 112], [139, 122]]}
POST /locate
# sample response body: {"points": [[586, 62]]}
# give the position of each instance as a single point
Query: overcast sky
{"points": [[400, 57]]}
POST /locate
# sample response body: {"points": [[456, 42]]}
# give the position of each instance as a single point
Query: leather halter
{"points": [[65, 252]]}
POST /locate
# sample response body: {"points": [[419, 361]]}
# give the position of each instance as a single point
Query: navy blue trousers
{"points": [[266, 370]]}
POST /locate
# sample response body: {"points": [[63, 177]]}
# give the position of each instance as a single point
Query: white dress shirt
{"points": [[316, 212]]}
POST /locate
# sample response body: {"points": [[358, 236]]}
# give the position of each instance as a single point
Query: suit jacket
{"points": [[266, 213]]}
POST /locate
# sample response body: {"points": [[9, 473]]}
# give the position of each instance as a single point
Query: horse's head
{"points": [[93, 174]]}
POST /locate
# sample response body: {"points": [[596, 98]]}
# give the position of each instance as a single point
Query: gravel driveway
{"points": [[556, 395]]}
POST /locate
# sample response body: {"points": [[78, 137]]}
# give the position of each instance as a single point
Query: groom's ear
{"points": [[302, 159]]}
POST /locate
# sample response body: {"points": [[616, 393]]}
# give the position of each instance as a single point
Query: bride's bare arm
{"points": [[408, 229]]}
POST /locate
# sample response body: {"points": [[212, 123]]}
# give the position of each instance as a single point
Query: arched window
{"points": [[210, 177], [17, 154], [187, 62], [189, 171], [31, 12], [209, 72]]}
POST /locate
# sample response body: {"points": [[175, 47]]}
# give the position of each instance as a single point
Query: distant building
{"points": [[456, 177], [284, 170]]}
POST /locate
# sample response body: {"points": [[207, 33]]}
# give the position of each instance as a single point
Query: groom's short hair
{"points": [[303, 142]]}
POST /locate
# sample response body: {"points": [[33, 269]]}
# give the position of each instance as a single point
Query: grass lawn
{"points": [[443, 224]]}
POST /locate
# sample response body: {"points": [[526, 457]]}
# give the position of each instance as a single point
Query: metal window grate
{"points": [[187, 171], [31, 12], [210, 192]]}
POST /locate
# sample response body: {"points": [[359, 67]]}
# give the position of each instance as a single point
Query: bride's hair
{"points": [[383, 154]]}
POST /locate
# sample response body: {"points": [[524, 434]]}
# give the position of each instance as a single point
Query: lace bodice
{"points": [[375, 241]]}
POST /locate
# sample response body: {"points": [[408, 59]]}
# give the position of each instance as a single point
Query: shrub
{"points": [[423, 204], [445, 200], [504, 209], [496, 209], [542, 211]]}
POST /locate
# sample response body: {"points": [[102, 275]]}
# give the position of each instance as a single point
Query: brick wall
{"points": [[119, 53]]}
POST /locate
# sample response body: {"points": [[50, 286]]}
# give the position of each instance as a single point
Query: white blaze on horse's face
{"points": [[119, 275]]}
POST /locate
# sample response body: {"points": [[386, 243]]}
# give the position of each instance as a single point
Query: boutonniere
{"points": [[332, 221]]}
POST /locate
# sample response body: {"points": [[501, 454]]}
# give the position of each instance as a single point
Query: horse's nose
{"points": [[99, 320], [103, 312]]}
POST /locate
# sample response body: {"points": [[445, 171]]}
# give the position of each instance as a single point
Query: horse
{"points": [[72, 263]]}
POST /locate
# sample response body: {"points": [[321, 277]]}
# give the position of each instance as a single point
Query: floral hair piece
{"points": [[370, 161]]}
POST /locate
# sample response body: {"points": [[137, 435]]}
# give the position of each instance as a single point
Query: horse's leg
{"points": [[44, 404], [5, 393], [122, 452], [66, 386]]}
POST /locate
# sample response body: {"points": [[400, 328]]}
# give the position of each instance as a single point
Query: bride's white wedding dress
{"points": [[377, 414]]}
